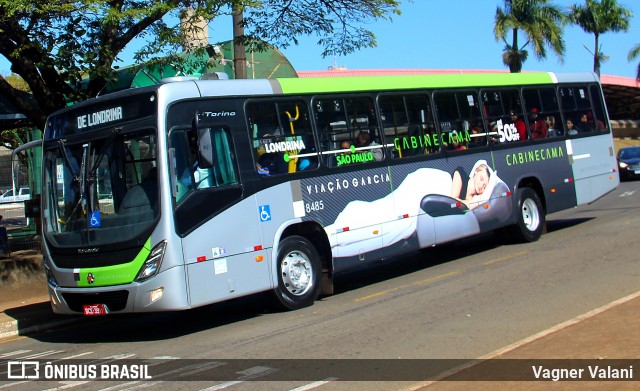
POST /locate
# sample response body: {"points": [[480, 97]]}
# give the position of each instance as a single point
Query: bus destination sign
{"points": [[100, 117]]}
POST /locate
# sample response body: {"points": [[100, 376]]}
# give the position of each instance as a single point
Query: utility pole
{"points": [[239, 52]]}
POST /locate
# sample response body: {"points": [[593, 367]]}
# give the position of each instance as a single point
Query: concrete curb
{"points": [[11, 329], [30, 318]]}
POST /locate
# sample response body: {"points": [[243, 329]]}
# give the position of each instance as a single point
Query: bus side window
{"points": [[602, 125], [504, 115], [544, 117], [179, 142], [405, 120], [460, 120], [297, 127], [281, 137], [223, 172], [349, 132], [576, 105]]}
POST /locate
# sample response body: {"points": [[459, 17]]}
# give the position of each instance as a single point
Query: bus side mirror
{"points": [[205, 148]]}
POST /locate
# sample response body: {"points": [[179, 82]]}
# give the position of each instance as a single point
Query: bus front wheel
{"points": [[299, 274], [531, 219]]}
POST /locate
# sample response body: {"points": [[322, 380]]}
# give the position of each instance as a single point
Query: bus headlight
{"points": [[152, 264]]}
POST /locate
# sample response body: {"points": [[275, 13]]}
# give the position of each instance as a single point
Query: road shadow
{"points": [[164, 326], [118, 328], [30, 319], [402, 265], [560, 224], [169, 325]]}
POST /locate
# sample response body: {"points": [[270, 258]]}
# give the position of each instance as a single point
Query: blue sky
{"points": [[458, 34], [453, 34]]}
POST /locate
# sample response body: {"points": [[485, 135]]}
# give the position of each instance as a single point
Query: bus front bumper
{"points": [[166, 291]]}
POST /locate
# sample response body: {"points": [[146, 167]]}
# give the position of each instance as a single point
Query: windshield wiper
{"points": [[81, 179], [91, 175], [84, 178], [63, 148], [101, 154]]}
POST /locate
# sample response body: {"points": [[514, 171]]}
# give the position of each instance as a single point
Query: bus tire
{"points": [[531, 217], [299, 274]]}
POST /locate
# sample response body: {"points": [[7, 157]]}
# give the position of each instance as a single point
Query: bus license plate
{"points": [[95, 309]]}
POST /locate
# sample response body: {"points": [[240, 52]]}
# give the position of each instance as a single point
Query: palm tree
{"points": [[599, 17], [633, 54], [539, 21]]}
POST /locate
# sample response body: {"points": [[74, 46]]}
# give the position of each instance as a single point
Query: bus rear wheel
{"points": [[531, 219], [299, 274]]}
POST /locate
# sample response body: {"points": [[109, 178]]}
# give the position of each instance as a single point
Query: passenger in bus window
{"points": [[431, 133], [341, 154], [571, 128], [493, 132], [521, 127], [600, 126], [270, 163], [470, 190], [538, 126], [477, 138], [551, 126], [414, 148], [456, 145], [364, 140], [586, 123]]}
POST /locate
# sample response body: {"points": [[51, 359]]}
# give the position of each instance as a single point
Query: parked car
{"points": [[24, 193], [629, 162]]}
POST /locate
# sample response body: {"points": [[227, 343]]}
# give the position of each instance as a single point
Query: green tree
{"points": [[633, 54], [540, 23], [337, 23], [65, 50], [13, 138], [599, 17]]}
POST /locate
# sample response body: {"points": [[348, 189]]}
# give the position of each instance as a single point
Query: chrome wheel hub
{"points": [[297, 274], [530, 214]]}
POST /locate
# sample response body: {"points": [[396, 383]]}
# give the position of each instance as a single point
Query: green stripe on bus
{"points": [[398, 82], [116, 274]]}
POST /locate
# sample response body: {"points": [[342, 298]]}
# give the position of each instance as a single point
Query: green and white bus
{"points": [[192, 192]]}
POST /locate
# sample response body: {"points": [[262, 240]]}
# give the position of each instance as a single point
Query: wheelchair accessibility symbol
{"points": [[95, 219], [265, 213]]}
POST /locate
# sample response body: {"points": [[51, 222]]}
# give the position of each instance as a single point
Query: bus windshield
{"points": [[100, 191]]}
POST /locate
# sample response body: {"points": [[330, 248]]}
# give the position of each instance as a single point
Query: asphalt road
{"points": [[459, 301]]}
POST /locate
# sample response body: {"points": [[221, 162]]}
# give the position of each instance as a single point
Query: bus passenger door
{"points": [[222, 254], [592, 160]]}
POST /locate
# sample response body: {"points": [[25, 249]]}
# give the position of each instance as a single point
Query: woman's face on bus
{"points": [[481, 180]]}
